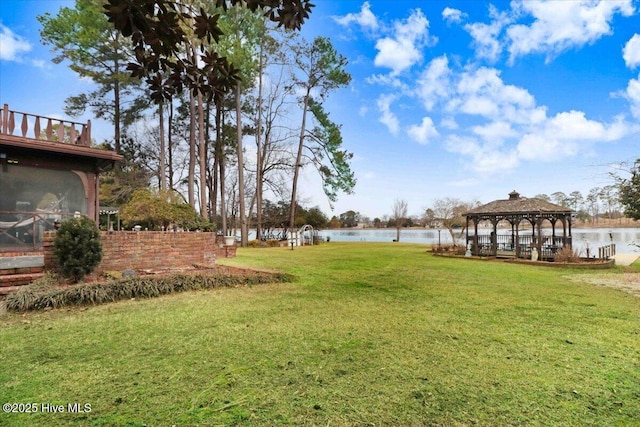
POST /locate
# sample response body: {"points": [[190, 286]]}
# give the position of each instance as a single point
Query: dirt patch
{"points": [[627, 282]]}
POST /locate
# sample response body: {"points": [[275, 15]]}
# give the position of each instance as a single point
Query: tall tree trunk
{"points": [[192, 150], [170, 145], [242, 213], [163, 161], [259, 142], [215, 170], [202, 151], [210, 174], [298, 165], [116, 113], [220, 151]]}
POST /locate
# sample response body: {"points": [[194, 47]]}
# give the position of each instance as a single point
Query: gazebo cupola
{"points": [[525, 218]]}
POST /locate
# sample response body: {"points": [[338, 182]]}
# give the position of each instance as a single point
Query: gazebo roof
{"points": [[515, 205], [108, 210]]}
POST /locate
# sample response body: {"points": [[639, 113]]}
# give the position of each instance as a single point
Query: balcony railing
{"points": [[49, 129]]}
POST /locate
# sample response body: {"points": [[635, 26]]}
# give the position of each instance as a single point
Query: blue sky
{"points": [[465, 99]]}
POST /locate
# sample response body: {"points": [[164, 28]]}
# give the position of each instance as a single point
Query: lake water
{"points": [[583, 238]]}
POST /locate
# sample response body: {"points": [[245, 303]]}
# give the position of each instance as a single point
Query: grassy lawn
{"points": [[368, 334]]}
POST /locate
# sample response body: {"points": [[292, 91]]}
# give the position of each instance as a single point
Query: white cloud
{"points": [[564, 134], [403, 49], [561, 25], [12, 45], [482, 92], [489, 160], [494, 126], [434, 82], [386, 80], [494, 131], [485, 158], [453, 15], [481, 106], [633, 95], [544, 27], [631, 52], [424, 132], [365, 18], [486, 36], [449, 123], [541, 147], [574, 125], [462, 144], [513, 129], [387, 117]]}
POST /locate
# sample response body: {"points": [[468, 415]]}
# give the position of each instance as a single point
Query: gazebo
{"points": [[526, 217]]}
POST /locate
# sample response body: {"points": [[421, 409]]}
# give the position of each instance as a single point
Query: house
{"points": [[48, 171]]}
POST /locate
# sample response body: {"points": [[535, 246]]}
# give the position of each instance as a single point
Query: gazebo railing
{"points": [[505, 245]]}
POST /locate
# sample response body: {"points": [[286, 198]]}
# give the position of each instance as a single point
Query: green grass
{"points": [[368, 334]]}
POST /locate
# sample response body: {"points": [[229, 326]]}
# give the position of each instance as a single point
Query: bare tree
{"points": [[399, 214], [593, 203], [609, 197], [449, 212]]}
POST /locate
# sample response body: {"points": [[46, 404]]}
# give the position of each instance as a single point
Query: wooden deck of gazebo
{"points": [[525, 236]]}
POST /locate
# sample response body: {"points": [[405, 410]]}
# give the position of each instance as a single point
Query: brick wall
{"points": [[124, 250]]}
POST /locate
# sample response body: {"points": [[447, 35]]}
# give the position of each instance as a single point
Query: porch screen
{"points": [[32, 199]]}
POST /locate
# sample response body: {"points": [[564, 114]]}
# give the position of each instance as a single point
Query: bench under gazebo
{"points": [[523, 219]]}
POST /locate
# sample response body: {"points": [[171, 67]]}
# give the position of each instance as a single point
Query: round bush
{"points": [[77, 247]]}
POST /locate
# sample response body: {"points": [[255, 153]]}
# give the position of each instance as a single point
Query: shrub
{"points": [[566, 254], [136, 287], [21, 300], [77, 247], [161, 209], [449, 249]]}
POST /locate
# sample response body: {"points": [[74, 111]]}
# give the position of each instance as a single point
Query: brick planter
{"points": [[124, 250]]}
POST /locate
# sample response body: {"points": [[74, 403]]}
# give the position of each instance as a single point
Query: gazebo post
{"points": [[466, 242], [534, 241], [518, 239], [494, 238], [475, 236], [513, 243], [539, 242]]}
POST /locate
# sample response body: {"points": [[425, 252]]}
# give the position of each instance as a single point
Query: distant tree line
{"points": [[611, 202]]}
